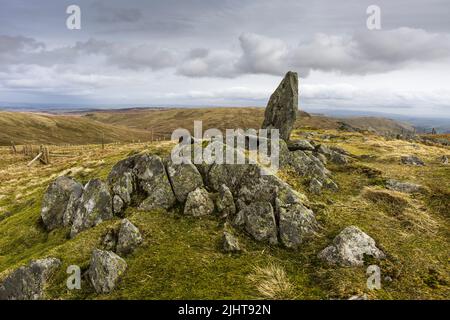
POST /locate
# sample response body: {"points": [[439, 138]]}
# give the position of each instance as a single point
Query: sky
{"points": [[228, 53]]}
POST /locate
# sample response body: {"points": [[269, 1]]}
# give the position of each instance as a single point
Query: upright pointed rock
{"points": [[281, 111]]}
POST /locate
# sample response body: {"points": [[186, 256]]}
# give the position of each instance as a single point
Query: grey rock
{"points": [[225, 203], [153, 182], [230, 243], [405, 187], [198, 203], [350, 247], [118, 204], [105, 270], [359, 297], [338, 158], [259, 221], [303, 145], [412, 160], [121, 181], [110, 240], [444, 159], [60, 202], [129, 238], [28, 282], [315, 186], [184, 179], [282, 108], [95, 207]]}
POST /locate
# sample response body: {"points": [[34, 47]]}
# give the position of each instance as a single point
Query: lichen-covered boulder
{"points": [[225, 203], [28, 282], [315, 186], [105, 270], [350, 247], [128, 238], [95, 206], [198, 203], [60, 202], [230, 243], [259, 221], [153, 182], [122, 183], [184, 179]]}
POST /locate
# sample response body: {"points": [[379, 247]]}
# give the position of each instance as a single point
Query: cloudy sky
{"points": [[228, 52]]}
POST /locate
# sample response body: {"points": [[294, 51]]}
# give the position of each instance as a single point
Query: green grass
{"points": [[180, 257]]}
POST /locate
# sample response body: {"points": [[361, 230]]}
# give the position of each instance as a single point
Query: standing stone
{"points": [[60, 202], [95, 207], [105, 270], [225, 202], [28, 282], [281, 111], [129, 238]]}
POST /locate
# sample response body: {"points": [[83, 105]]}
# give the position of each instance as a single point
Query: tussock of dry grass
{"points": [[271, 282]]}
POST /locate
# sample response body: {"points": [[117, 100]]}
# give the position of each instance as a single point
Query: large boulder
{"points": [[198, 203], [281, 111], [184, 179], [60, 202], [128, 238], [105, 270], [153, 182], [350, 247], [95, 207], [28, 282]]}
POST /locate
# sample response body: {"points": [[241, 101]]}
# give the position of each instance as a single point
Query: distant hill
{"points": [[135, 124], [38, 128]]}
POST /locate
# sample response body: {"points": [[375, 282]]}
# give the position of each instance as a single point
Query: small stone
{"points": [[359, 297], [198, 203], [405, 187], [349, 248], [105, 270], [444, 159], [129, 238], [412, 160], [230, 243], [303, 145]]}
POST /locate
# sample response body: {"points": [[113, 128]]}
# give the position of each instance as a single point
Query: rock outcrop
{"points": [[105, 270], [281, 111], [350, 247], [60, 202], [28, 282], [95, 206]]}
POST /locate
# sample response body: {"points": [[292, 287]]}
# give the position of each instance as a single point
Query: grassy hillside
{"points": [[180, 257], [32, 128]]}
